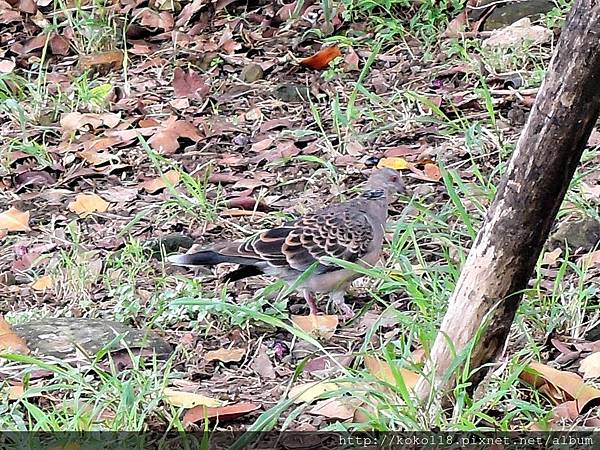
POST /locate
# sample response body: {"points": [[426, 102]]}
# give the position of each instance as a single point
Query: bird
{"points": [[352, 231]]}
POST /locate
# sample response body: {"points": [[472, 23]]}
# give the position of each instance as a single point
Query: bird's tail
{"points": [[206, 258]]}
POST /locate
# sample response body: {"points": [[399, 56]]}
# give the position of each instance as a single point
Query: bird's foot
{"points": [[347, 311], [311, 302]]}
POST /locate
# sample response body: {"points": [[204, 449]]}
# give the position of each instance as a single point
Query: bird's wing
{"points": [[341, 231]]}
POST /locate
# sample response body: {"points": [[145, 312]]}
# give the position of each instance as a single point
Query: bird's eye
{"points": [[394, 179]]}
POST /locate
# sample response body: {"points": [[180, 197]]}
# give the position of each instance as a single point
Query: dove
{"points": [[352, 231]]}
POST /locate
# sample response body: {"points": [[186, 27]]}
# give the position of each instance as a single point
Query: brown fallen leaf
{"points": [[262, 364], [189, 399], [189, 84], [460, 22], [326, 363], [222, 413], [590, 366], [322, 58], [166, 139], [246, 203], [97, 158], [393, 163], [76, 121], [226, 354], [86, 204], [432, 172], [321, 326], [42, 283], [351, 61], [59, 45], [119, 194], [336, 408], [567, 385], [155, 184], [9, 341], [308, 392], [16, 391], [14, 220], [588, 259], [153, 19], [567, 411], [382, 370], [550, 258]]}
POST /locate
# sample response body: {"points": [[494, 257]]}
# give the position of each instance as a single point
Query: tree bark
{"points": [[530, 193]]}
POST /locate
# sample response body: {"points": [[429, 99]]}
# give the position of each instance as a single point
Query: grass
{"points": [[428, 244]]}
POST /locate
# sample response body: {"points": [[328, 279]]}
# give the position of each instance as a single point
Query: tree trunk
{"points": [[517, 224]]}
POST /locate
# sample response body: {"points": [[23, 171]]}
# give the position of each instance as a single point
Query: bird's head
{"points": [[387, 180]]}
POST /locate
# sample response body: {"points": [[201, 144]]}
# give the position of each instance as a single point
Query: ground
{"points": [[132, 130]]}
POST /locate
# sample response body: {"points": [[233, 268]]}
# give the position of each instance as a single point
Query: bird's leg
{"points": [[337, 297], [310, 300]]}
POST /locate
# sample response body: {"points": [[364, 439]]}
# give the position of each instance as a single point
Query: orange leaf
{"points": [[9, 341], [433, 172], [226, 354], [223, 413], [383, 371], [322, 58], [109, 59], [42, 283], [540, 375], [85, 204], [156, 184], [317, 326], [336, 408], [14, 220]]}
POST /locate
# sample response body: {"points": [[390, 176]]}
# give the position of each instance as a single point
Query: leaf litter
{"points": [[213, 94]]}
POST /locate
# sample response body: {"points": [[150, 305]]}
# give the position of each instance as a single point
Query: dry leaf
{"points": [[189, 84], [166, 139], [382, 370], [351, 61], [550, 258], [76, 121], [14, 220], [567, 410], [432, 172], [318, 326], [43, 283], [456, 25], [155, 184], [590, 366], [326, 363], [85, 204], [112, 59], [566, 384], [308, 392], [189, 399], [585, 260], [95, 158], [336, 408], [393, 163], [226, 354], [9, 341], [59, 45], [322, 58], [262, 364], [15, 392], [222, 413], [153, 19]]}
